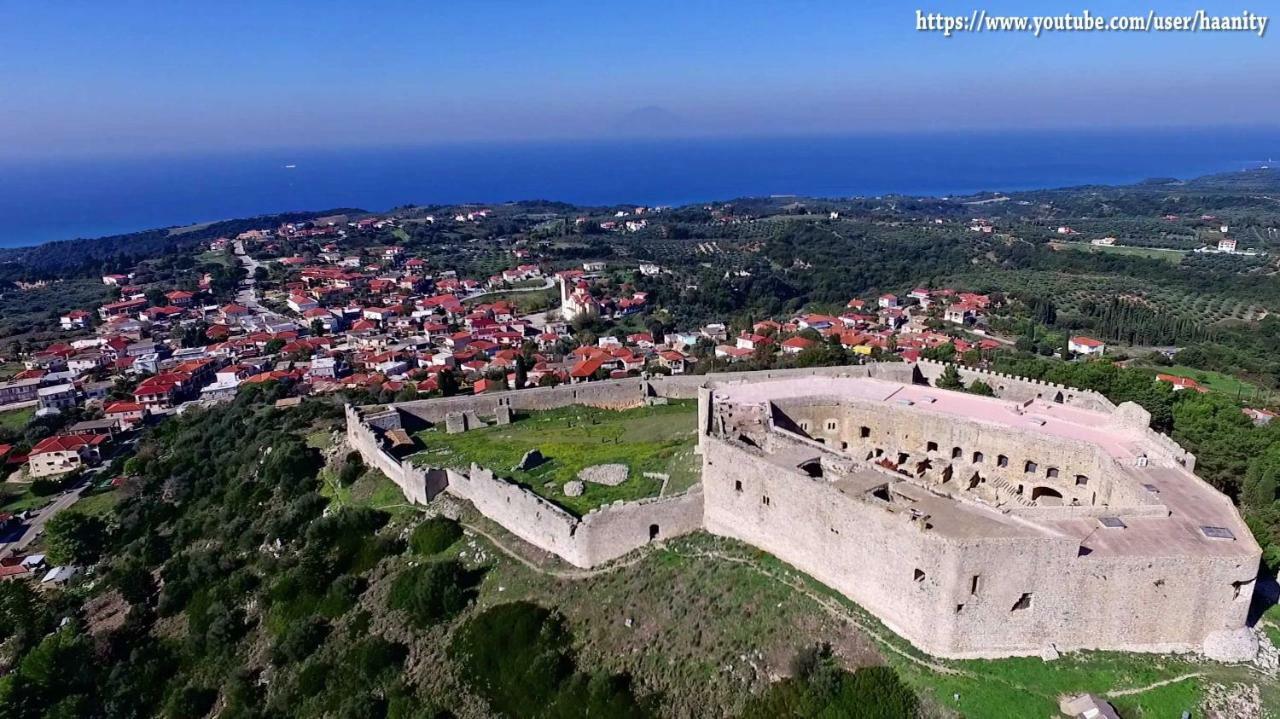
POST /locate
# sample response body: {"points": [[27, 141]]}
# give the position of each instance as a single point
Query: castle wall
{"points": [[601, 535], [1084, 472], [1134, 603], [419, 485]]}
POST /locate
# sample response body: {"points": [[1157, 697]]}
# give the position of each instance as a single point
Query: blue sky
{"points": [[81, 76]]}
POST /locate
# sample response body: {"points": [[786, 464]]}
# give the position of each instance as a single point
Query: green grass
{"points": [[1213, 381], [319, 439], [215, 258], [17, 497], [372, 489], [9, 369], [17, 419], [1171, 256], [525, 302], [98, 504], [646, 439]]}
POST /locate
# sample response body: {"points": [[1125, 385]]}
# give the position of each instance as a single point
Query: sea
{"points": [[53, 199]]}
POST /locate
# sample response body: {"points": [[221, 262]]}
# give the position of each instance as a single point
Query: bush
{"points": [[435, 535], [519, 657], [74, 538], [828, 691], [45, 487], [433, 592], [189, 701], [352, 468]]}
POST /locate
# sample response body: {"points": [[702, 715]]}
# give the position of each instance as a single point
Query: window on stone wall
{"points": [[959, 608], [1024, 602], [918, 575], [1029, 467], [1002, 461], [831, 425], [1051, 473], [956, 453], [903, 457], [1081, 480], [765, 500], [978, 457], [975, 583], [804, 425], [931, 447], [737, 485], [864, 432]]}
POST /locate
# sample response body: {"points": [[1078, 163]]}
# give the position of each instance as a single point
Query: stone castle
{"points": [[1045, 519]]}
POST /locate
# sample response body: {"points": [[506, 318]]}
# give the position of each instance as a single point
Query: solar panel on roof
{"points": [[1112, 522], [1217, 533], [1151, 488]]}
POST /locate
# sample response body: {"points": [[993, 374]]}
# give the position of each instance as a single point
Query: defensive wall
{"points": [[911, 502], [611, 531], [970, 539]]}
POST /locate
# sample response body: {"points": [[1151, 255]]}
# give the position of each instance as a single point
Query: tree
{"points": [[981, 388], [448, 382], [74, 538], [950, 379], [407, 393], [522, 372]]}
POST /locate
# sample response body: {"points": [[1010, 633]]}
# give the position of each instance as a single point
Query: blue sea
{"points": [[43, 200]]}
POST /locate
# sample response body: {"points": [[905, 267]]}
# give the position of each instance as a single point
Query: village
{"points": [[382, 324]]}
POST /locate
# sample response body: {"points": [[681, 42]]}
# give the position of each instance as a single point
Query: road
{"points": [[36, 525], [247, 296]]}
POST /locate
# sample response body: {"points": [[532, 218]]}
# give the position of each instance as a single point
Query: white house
{"points": [[1086, 346]]}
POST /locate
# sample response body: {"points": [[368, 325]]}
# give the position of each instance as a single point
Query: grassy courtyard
{"points": [[646, 439]]}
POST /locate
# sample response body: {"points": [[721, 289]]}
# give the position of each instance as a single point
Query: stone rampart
{"points": [[418, 485], [601, 535]]}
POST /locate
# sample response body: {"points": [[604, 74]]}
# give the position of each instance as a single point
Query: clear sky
{"points": [[125, 76]]}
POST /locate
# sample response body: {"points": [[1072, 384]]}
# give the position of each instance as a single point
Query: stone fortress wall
{"points": [[612, 531], [949, 594], [856, 492]]}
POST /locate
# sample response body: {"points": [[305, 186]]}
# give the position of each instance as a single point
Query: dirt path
{"points": [[1154, 685]]}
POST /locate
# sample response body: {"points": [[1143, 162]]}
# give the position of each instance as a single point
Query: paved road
{"points": [[248, 294], [36, 525]]}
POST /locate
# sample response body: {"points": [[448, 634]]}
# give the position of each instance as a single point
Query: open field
{"points": [[645, 439], [1213, 381], [525, 301], [17, 419], [1168, 255], [17, 497]]}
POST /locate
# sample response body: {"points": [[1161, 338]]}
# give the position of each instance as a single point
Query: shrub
{"points": [[519, 657], [435, 535], [433, 592], [45, 487], [827, 690], [352, 468]]}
